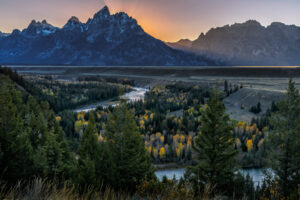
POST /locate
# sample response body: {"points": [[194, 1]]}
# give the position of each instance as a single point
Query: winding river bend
{"points": [[138, 93]]}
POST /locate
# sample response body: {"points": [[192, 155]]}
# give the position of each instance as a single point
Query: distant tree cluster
{"points": [[250, 141], [256, 109], [230, 89]]}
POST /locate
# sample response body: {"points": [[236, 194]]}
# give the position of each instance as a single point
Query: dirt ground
{"points": [[248, 97]]}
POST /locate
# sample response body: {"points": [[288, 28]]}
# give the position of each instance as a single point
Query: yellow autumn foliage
{"points": [[158, 134], [241, 124], [178, 152], [180, 146], [182, 138], [146, 117], [78, 126], [100, 138], [149, 149], [162, 153], [98, 115], [80, 115], [154, 152], [162, 139], [151, 116], [249, 144]]}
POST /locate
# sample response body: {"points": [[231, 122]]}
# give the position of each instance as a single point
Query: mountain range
{"points": [[3, 34], [105, 39], [248, 43], [118, 39]]}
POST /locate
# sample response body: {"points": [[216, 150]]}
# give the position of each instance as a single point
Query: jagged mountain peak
{"points": [[250, 43], [74, 19], [252, 23], [103, 40], [45, 22], [36, 28], [113, 26], [184, 40], [15, 32], [183, 44], [103, 13], [281, 25], [37, 23], [72, 22]]}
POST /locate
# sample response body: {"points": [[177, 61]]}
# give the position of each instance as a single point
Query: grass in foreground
{"points": [[48, 190]]}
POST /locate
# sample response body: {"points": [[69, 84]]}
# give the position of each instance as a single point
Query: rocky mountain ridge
{"points": [[249, 43], [105, 39]]}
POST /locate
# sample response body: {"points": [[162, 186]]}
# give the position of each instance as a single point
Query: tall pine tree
{"points": [[129, 161], [89, 155], [16, 151], [214, 146], [284, 144], [32, 143]]}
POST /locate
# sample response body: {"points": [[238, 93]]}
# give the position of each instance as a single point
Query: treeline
{"points": [[230, 88], [64, 95], [250, 141]]}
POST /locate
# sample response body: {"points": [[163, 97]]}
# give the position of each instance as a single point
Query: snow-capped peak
{"points": [[3, 34], [39, 28]]}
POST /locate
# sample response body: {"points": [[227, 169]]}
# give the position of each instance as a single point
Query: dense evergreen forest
{"points": [[48, 153], [64, 95]]}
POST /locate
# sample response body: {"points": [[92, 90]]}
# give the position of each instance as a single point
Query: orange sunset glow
{"points": [[168, 20]]}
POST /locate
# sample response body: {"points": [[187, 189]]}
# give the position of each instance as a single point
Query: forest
{"points": [[49, 152]]}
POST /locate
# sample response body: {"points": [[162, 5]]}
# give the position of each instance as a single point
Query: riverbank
{"points": [[257, 175], [169, 166], [136, 94]]}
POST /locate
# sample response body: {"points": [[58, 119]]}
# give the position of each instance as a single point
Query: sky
{"points": [[168, 20]]}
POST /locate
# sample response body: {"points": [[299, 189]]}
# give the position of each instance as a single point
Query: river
{"points": [[136, 94], [256, 174]]}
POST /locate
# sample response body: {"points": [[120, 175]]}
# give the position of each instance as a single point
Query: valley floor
{"points": [[261, 84]]}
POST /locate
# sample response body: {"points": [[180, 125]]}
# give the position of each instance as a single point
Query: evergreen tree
{"points": [[284, 143], [17, 157], [129, 159], [214, 146], [53, 156], [89, 155], [32, 143], [68, 164], [226, 90]]}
